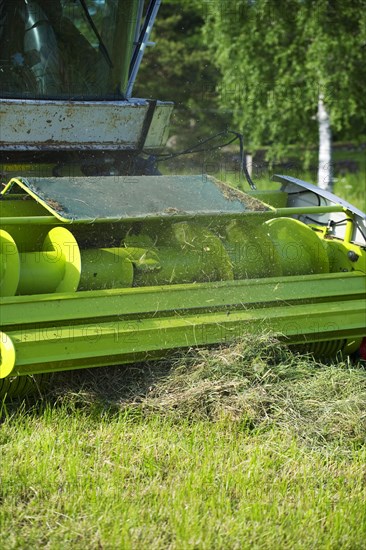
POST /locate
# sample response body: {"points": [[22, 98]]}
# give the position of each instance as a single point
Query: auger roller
{"points": [[103, 261]]}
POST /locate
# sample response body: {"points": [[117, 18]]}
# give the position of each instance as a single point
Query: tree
{"points": [[179, 68], [290, 68]]}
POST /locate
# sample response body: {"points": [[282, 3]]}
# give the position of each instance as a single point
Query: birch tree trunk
{"points": [[249, 161], [325, 176]]}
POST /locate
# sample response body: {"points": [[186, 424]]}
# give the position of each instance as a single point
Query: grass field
{"points": [[235, 447], [229, 448]]}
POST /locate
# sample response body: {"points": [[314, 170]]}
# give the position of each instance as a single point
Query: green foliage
{"points": [[275, 59], [259, 67], [179, 68], [335, 40]]}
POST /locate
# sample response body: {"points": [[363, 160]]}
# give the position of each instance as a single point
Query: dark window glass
{"points": [[66, 49]]}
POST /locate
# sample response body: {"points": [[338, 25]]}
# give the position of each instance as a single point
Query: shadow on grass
{"points": [[96, 391]]}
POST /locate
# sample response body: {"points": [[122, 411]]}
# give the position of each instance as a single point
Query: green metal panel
{"points": [[42, 310], [135, 197]]}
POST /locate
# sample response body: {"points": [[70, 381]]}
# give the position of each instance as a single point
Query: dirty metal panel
{"points": [[290, 183], [136, 197], [44, 125], [301, 193], [160, 126]]}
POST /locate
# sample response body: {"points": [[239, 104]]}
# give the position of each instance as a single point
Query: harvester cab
{"points": [[103, 261], [67, 73]]}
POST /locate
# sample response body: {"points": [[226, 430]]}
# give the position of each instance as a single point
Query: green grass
{"points": [[237, 447]]}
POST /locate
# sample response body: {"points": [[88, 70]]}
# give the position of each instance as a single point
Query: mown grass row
{"points": [[246, 445]]}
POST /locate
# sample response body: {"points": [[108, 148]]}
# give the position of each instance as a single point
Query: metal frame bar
{"points": [[142, 42]]}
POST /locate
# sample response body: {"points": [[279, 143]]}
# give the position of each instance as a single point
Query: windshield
{"points": [[66, 49]]}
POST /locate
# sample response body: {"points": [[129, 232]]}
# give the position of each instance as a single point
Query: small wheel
{"points": [[21, 386]]}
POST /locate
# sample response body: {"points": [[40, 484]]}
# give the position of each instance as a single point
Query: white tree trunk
{"points": [[325, 177], [249, 161]]}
